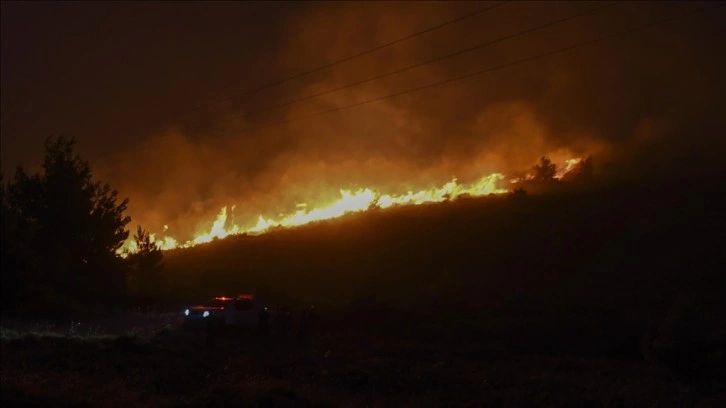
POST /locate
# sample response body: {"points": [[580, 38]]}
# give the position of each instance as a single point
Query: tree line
{"points": [[61, 235]]}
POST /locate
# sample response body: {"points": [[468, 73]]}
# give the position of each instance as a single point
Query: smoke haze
{"points": [[155, 95]]}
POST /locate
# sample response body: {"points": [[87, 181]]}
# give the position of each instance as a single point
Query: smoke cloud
{"points": [[642, 103]]}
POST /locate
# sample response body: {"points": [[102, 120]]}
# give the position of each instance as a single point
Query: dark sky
{"points": [[155, 95], [114, 73]]}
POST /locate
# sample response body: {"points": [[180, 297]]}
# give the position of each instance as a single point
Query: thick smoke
{"points": [[642, 103]]}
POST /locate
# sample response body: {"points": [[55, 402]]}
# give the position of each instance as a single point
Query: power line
{"points": [[360, 54], [490, 69], [429, 61]]}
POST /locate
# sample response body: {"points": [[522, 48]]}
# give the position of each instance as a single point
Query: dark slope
{"points": [[613, 246]]}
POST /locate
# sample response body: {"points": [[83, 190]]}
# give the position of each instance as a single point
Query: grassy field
{"points": [[362, 366]]}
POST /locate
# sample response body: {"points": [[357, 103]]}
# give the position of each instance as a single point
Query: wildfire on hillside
{"points": [[349, 202], [568, 166]]}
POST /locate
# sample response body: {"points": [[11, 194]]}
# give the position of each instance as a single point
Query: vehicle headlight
{"points": [[186, 312], [206, 313]]}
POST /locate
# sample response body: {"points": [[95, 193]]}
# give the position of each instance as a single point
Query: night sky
{"points": [[157, 95]]}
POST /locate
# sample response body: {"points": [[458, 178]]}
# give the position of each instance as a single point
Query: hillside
{"points": [[626, 246]]}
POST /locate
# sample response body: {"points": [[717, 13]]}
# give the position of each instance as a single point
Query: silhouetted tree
{"points": [[14, 274], [146, 264], [75, 225], [545, 170]]}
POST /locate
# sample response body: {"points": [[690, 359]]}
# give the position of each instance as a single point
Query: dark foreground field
{"points": [[504, 360]]}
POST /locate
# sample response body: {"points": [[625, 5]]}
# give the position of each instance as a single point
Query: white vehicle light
{"points": [[206, 313], [186, 312]]}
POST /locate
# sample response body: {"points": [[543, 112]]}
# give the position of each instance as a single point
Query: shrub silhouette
{"points": [[146, 265], [545, 170]]}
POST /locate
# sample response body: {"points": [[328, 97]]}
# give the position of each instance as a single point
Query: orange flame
{"points": [[570, 164], [348, 203]]}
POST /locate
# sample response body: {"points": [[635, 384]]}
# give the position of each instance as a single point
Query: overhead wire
{"points": [[357, 55], [486, 70], [429, 61]]}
